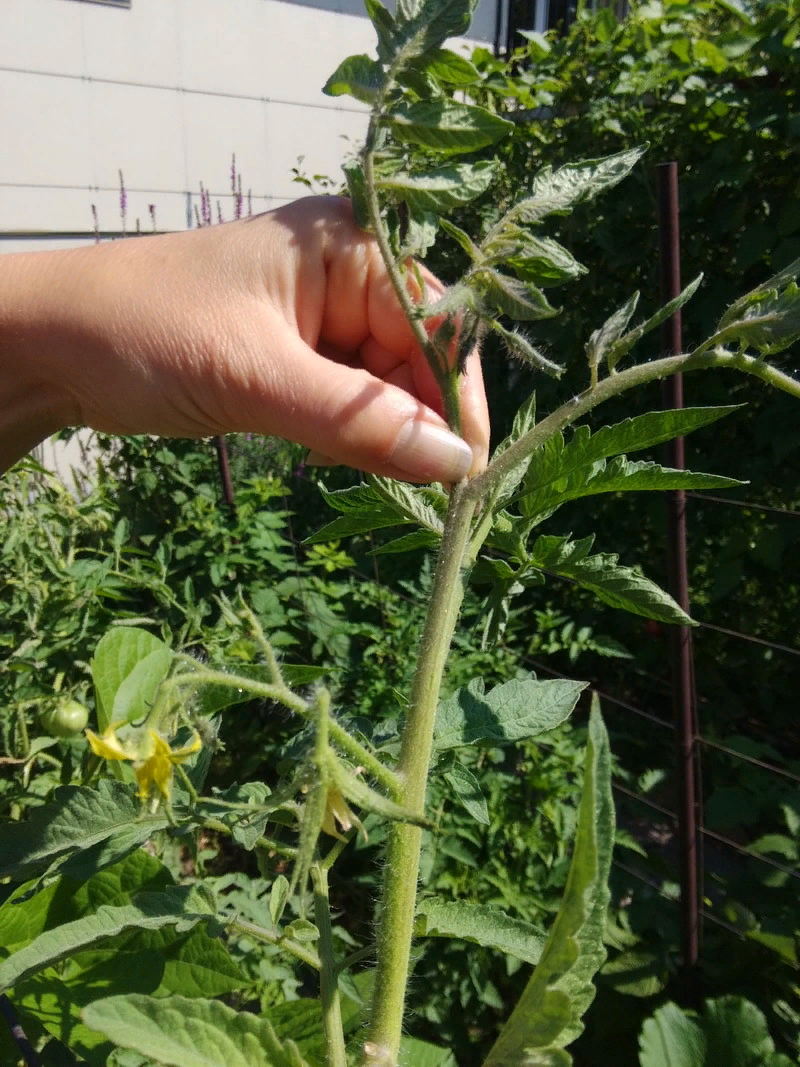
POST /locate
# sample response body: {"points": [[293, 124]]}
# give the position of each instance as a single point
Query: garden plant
{"points": [[115, 944]]}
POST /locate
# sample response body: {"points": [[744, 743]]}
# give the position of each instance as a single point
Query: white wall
{"points": [[167, 91]]}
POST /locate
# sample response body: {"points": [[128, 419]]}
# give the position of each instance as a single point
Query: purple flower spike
{"points": [[237, 199], [233, 173], [123, 201]]}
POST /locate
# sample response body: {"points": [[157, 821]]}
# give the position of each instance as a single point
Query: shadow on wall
{"points": [[483, 22]]}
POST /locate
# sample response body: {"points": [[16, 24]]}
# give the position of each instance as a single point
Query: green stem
{"points": [[283, 695], [614, 385], [402, 866], [446, 377], [22, 731], [335, 1054], [259, 933], [267, 843]]}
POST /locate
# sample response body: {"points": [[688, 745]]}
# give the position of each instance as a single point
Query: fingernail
{"points": [[431, 452]]}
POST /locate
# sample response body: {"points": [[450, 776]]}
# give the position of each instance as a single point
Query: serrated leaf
{"points": [[278, 896], [770, 322], [462, 238], [357, 76], [482, 925], [364, 510], [408, 543], [429, 27], [421, 230], [515, 298], [621, 346], [524, 420], [25, 913], [548, 1015], [618, 586], [539, 260], [116, 657], [409, 503], [468, 792], [561, 190], [574, 462], [180, 1032], [446, 127], [75, 820], [357, 190], [381, 503], [774, 284], [606, 336], [617, 475], [521, 708], [442, 188], [384, 25], [179, 906]]}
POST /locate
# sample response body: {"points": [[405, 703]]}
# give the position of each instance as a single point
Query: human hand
{"points": [[282, 324]]}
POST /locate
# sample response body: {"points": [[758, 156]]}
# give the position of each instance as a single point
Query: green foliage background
{"points": [[715, 87]]}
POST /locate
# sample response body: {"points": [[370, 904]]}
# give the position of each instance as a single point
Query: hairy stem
{"points": [[335, 1054], [259, 933], [614, 385], [446, 376], [402, 867], [283, 695]]}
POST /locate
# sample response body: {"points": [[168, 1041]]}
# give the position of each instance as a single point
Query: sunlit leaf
{"points": [[618, 586], [548, 1015], [447, 127], [128, 666], [521, 708], [481, 924], [441, 188], [517, 299], [182, 1032], [77, 819], [179, 906], [358, 76]]}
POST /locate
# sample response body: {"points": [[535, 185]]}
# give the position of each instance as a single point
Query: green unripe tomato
{"points": [[66, 719]]}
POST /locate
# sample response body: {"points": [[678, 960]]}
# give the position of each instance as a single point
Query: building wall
{"points": [[166, 91]]}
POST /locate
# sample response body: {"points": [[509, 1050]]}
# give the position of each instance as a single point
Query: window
{"points": [[543, 15]]}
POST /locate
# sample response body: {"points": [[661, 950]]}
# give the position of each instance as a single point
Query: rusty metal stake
{"points": [[678, 580]]}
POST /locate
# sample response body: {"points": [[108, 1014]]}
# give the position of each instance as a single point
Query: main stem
{"points": [[446, 377], [336, 1055], [402, 861]]}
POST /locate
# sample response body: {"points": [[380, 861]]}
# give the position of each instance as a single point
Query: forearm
{"points": [[33, 405]]}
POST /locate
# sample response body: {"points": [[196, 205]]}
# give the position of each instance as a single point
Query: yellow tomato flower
{"points": [[338, 812], [108, 746], [151, 755]]}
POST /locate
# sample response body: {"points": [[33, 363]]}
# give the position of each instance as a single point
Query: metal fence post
{"points": [[678, 579]]}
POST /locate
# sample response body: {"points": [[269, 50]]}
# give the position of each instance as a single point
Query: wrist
{"points": [[33, 403]]}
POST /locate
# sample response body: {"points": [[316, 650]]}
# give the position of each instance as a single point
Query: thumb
{"points": [[354, 418]]}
